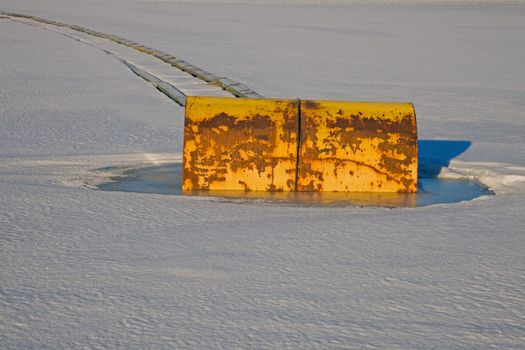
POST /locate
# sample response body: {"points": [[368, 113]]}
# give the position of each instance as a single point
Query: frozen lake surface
{"points": [[86, 268]]}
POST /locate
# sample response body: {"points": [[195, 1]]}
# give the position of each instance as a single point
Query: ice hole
{"points": [[167, 179]]}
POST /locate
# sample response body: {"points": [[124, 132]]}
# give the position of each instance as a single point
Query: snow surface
{"points": [[97, 269]]}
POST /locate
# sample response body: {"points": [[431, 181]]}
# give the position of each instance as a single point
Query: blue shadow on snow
{"points": [[436, 154]]}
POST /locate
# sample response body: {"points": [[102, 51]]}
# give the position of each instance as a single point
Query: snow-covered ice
{"points": [[99, 269]]}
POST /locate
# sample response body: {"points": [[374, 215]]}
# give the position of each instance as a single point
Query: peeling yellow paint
{"points": [[240, 144], [357, 147], [251, 145]]}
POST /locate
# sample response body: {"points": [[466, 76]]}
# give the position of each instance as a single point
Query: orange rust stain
{"points": [[251, 145], [357, 147], [240, 144]]}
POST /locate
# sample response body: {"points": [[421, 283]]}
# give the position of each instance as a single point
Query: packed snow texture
{"points": [[97, 269]]}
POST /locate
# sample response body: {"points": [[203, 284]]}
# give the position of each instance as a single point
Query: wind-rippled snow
{"points": [[99, 269]]}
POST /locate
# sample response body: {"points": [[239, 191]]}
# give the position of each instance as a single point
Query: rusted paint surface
{"points": [[240, 144], [251, 145], [357, 147]]}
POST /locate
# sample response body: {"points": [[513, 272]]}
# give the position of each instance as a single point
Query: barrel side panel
{"points": [[357, 147], [240, 144]]}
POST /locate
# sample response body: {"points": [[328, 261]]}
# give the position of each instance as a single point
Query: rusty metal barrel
{"points": [[299, 145]]}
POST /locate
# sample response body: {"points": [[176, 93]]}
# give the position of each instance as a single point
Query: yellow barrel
{"points": [[357, 147], [240, 144], [291, 145]]}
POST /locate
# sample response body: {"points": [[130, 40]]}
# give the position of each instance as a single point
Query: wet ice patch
{"points": [[167, 179]]}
